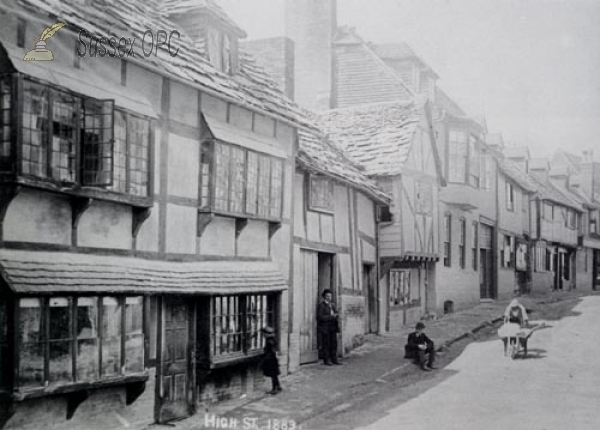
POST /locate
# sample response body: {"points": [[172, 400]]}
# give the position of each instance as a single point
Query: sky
{"points": [[531, 67]]}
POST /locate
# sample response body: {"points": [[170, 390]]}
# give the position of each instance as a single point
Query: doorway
{"points": [[370, 290], [175, 384], [486, 263], [315, 277]]}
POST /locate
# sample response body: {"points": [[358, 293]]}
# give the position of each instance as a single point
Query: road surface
{"points": [[557, 387]]}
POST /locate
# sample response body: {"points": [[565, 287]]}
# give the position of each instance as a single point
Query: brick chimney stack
{"points": [[311, 25]]}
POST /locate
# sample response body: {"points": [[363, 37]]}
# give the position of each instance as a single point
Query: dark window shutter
{"points": [[98, 142]]}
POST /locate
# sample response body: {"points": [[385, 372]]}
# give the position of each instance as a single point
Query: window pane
{"points": [[236, 195], [98, 142], [252, 183], [139, 152], [134, 334], [31, 358], [120, 153], [111, 336], [65, 117], [457, 156], [35, 129], [276, 187], [226, 327], [221, 176], [59, 341], [321, 193], [87, 338], [205, 162], [264, 179], [474, 161], [5, 124]]}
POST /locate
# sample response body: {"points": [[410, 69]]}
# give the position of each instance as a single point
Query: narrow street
{"points": [[556, 387]]}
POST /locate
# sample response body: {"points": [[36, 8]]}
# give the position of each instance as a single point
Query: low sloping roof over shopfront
{"points": [[43, 272]]}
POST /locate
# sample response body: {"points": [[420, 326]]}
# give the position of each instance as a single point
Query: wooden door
{"points": [[308, 295], [371, 294], [175, 384]]}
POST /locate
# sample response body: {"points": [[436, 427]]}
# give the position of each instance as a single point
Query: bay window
{"points": [[238, 181], [72, 141], [457, 156], [64, 340], [474, 161]]}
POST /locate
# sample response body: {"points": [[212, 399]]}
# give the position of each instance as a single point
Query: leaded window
{"points": [[237, 181], [78, 339], [236, 323], [320, 193], [5, 123]]}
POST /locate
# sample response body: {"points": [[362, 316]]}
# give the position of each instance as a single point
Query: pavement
{"points": [[316, 389], [557, 386]]}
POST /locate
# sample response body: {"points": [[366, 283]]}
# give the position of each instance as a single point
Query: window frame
{"points": [[251, 339], [455, 155], [329, 206], [508, 242], [208, 183], [510, 196], [76, 187], [462, 244], [100, 377], [447, 240], [400, 288]]}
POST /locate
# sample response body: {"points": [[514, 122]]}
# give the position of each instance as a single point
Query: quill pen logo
{"points": [[41, 51]]}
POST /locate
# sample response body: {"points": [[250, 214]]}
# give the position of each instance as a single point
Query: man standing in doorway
{"points": [[328, 328]]}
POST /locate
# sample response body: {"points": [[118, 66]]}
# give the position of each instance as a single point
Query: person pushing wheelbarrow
{"points": [[515, 331]]}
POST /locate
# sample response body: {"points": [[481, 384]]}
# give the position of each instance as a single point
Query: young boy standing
{"points": [[270, 364]]}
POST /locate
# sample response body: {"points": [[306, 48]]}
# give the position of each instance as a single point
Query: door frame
{"points": [[308, 357], [191, 385], [371, 295]]}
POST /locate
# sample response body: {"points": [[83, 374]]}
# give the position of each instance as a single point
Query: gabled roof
{"points": [[400, 51], [550, 190], [251, 87], [517, 152], [564, 157], [377, 136], [361, 76], [321, 156], [515, 173], [445, 102], [170, 7]]}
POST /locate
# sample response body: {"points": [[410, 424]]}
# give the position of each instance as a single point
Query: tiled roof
{"points": [[252, 86], [515, 173], [45, 272], [516, 152], [210, 6], [550, 190], [361, 76], [377, 136], [318, 154], [399, 51], [445, 102]]}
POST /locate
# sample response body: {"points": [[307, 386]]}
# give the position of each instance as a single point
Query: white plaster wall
{"points": [[105, 225], [183, 166], [38, 217], [219, 237], [254, 240], [181, 229]]}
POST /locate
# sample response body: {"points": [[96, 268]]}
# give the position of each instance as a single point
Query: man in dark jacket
{"points": [[327, 328], [420, 348]]}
